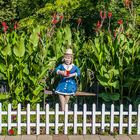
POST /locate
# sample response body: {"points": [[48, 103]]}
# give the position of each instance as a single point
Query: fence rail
{"points": [[90, 120]]}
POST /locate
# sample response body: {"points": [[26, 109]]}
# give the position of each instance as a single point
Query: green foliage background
{"points": [[28, 54], [30, 12]]}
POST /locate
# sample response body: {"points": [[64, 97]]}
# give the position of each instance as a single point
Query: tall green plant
{"points": [[116, 63]]}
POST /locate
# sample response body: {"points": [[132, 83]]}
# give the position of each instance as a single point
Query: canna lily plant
{"points": [[116, 63], [26, 59]]}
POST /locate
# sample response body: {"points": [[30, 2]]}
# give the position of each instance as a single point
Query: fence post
{"points": [[121, 119], [103, 118], [130, 119], [93, 119], [19, 119], [75, 118], [38, 119], [28, 119], [84, 118], [56, 117], [66, 119], [9, 116], [0, 118], [138, 123], [47, 118], [112, 118]]}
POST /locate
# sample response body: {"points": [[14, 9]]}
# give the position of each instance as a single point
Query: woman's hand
{"points": [[63, 73], [72, 75]]}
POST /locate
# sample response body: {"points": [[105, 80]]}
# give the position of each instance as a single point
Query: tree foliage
{"points": [[37, 12]]}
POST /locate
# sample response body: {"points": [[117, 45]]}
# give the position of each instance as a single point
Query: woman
{"points": [[67, 85]]}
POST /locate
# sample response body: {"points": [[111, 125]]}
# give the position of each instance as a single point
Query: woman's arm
{"points": [[59, 70], [76, 73]]}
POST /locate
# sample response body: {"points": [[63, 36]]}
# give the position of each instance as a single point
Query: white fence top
{"points": [[89, 120]]}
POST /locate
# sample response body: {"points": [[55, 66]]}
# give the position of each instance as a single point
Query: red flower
{"points": [[5, 27], [98, 24], [15, 25], [102, 16], [127, 3], [109, 14], [54, 21], [55, 18], [61, 17], [4, 24], [120, 21], [11, 132]]}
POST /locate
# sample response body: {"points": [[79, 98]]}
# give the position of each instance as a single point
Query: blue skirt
{"points": [[66, 86]]}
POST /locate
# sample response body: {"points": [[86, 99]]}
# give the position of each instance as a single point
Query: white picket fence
{"points": [[75, 124]]}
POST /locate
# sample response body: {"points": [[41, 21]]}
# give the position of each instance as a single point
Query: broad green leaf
{"points": [[100, 58], [35, 99], [44, 71], [18, 90], [115, 96], [105, 97], [10, 67], [33, 79], [114, 71], [2, 68], [103, 69], [26, 70], [103, 81], [19, 49], [14, 104], [68, 35], [18, 98], [106, 76], [37, 90], [114, 84], [97, 44], [4, 96], [34, 38], [28, 97], [6, 50]]}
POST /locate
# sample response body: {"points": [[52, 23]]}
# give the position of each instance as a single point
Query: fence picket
{"points": [[0, 118], [121, 119], [47, 118], [56, 117], [66, 120], [76, 123], [84, 118], [103, 118], [93, 118], [130, 119], [112, 118], [28, 119], [75, 118], [138, 123], [19, 119], [38, 119], [9, 116]]}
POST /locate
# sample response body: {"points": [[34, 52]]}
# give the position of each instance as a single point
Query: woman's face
{"points": [[68, 59]]}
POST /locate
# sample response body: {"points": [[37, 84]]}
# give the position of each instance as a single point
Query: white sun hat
{"points": [[69, 52]]}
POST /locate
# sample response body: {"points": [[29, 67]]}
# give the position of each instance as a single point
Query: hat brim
{"points": [[68, 53]]}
